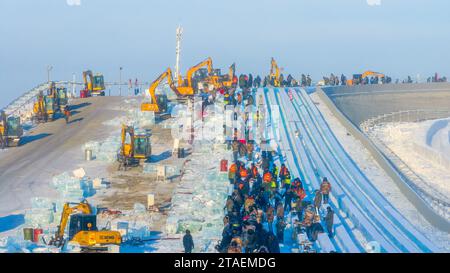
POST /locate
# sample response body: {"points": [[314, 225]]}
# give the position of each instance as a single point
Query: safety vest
{"points": [[287, 180], [273, 184], [275, 171], [267, 177], [243, 173], [233, 168]]}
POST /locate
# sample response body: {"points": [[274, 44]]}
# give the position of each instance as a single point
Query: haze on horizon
{"points": [[316, 37]]}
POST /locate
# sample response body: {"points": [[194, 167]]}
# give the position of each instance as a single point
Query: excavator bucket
{"points": [[149, 107]]}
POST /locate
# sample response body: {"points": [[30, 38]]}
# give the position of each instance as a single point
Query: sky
{"points": [[316, 37]]}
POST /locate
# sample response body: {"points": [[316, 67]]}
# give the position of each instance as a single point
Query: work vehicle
{"points": [[186, 85], [11, 131], [61, 97], [44, 108], [358, 78], [158, 103], [134, 149], [83, 229], [274, 76], [227, 80], [94, 87]]}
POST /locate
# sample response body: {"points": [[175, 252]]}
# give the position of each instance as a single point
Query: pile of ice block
{"points": [[105, 150]]}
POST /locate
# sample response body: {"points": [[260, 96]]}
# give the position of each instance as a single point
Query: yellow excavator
{"points": [[11, 131], [44, 108], [159, 103], [357, 78], [95, 86], [185, 85], [83, 228], [274, 76], [227, 80], [137, 150]]}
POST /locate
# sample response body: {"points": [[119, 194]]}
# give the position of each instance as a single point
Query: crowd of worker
{"points": [[266, 199]]}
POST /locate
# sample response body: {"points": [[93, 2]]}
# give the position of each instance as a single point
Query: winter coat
{"points": [[270, 214], [325, 187], [273, 246], [280, 211], [329, 218], [318, 200], [188, 242]]}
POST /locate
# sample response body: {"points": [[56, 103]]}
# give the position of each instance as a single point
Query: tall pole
{"points": [[179, 32], [49, 68], [73, 85], [120, 81]]}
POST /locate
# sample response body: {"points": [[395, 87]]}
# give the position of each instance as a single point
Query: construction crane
{"points": [[11, 131], [95, 86], [274, 76], [83, 228], [159, 103], [136, 150], [185, 86]]}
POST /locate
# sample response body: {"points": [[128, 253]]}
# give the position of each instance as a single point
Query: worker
{"points": [[270, 216], [281, 225], [254, 171], [232, 173], [288, 196], [188, 242], [329, 219], [67, 113], [325, 189], [235, 147], [272, 244], [317, 199]]}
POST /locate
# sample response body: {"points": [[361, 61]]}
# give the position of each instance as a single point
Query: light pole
{"points": [[120, 81], [49, 68]]}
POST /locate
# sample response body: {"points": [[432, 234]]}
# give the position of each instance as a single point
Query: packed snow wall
{"points": [[352, 116], [361, 102]]}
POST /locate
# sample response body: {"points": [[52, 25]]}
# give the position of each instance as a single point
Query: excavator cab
{"points": [[98, 84], [50, 107], [142, 146], [83, 228], [134, 148], [61, 94], [11, 131]]}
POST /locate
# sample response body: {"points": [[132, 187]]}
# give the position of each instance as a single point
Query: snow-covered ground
{"points": [[405, 140], [380, 179]]}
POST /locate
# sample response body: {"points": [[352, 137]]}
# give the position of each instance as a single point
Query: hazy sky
{"points": [[398, 37]]}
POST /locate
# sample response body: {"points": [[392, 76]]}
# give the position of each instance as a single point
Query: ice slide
{"points": [[316, 153]]}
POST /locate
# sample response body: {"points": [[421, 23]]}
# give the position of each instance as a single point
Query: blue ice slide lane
{"points": [[345, 197], [391, 230], [344, 233], [347, 241], [360, 180]]}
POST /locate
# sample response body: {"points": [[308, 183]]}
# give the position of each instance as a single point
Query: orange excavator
{"points": [[357, 78], [185, 85], [159, 103]]}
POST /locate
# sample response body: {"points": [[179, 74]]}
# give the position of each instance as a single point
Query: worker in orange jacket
{"points": [[232, 173]]}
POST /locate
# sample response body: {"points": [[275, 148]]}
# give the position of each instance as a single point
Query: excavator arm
{"points": [[88, 85], [274, 72], [153, 106], [82, 207], [195, 68], [372, 73]]}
